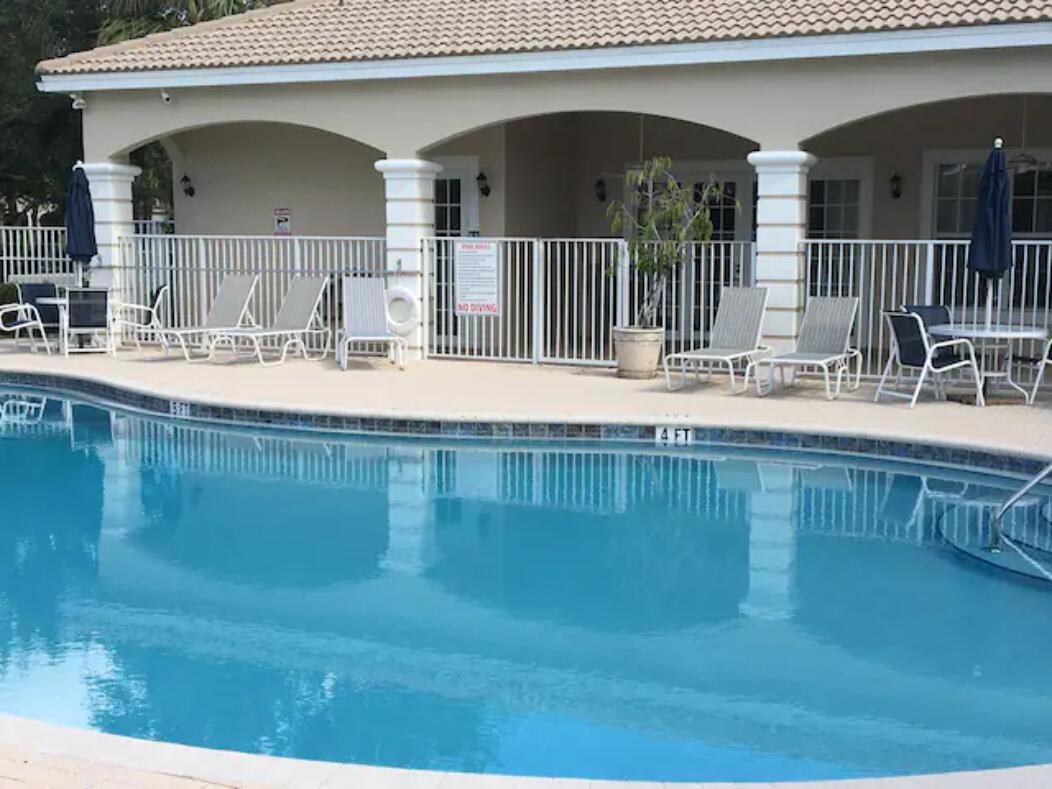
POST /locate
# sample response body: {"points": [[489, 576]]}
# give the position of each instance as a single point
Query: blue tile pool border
{"points": [[704, 434]]}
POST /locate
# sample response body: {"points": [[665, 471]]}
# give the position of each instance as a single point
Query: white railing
{"points": [[153, 227], [33, 252], [194, 266], [561, 298], [886, 275]]}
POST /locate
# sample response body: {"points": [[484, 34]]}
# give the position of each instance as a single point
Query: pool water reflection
{"points": [[558, 610]]}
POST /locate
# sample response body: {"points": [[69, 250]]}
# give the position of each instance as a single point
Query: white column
{"points": [[111, 199], [409, 187], [781, 225], [409, 544]]}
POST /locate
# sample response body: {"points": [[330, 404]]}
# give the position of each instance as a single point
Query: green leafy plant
{"points": [[134, 18], [661, 218]]}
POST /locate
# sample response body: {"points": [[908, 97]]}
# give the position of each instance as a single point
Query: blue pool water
{"points": [[567, 610]]}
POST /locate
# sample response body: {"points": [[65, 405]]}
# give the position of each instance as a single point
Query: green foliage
{"points": [[134, 18], [662, 217], [39, 133]]}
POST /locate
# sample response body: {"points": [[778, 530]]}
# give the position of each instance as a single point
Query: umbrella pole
{"points": [[989, 302]]}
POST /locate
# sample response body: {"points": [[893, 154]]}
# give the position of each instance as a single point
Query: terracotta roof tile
{"points": [[331, 31]]}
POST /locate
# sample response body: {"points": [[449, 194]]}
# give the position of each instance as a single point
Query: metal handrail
{"points": [[995, 524]]}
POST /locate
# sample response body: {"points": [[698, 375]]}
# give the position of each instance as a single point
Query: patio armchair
{"points": [[1043, 364], [22, 316], [911, 349], [824, 344], [735, 339], [87, 316], [228, 311], [139, 318], [365, 320], [298, 318]]}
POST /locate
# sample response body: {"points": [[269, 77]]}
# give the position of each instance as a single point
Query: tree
{"points": [[39, 133], [663, 218], [134, 18]]}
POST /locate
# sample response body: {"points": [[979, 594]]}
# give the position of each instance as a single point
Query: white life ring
{"points": [[403, 310]]}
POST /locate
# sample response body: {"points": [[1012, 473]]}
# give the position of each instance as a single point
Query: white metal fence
{"points": [[33, 252], [886, 275], [561, 298], [193, 267]]}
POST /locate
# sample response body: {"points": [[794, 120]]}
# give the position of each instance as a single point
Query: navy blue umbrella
{"points": [[990, 251], [80, 219]]}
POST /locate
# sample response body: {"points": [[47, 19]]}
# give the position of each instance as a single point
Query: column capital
{"points": [[784, 161], [110, 171], [408, 168]]}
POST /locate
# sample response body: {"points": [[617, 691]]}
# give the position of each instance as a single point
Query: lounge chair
{"points": [[139, 318], [735, 338], [297, 319], [24, 317], [912, 350], [229, 311], [824, 344], [365, 320]]}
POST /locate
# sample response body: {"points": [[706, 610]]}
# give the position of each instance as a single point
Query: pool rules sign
{"points": [[476, 278]]}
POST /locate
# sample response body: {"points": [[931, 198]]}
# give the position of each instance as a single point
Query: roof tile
{"points": [[331, 31]]}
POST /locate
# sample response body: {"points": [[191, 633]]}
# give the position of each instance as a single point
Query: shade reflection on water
{"points": [[563, 610]]}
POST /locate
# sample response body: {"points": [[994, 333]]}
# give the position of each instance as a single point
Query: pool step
{"points": [[967, 528]]}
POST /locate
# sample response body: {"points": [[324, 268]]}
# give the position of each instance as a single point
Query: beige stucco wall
{"points": [[242, 172], [776, 104]]}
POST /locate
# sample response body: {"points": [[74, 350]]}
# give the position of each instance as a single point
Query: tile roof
{"points": [[342, 31]]}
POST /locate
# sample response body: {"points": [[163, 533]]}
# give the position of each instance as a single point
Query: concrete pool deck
{"points": [[40, 754]]}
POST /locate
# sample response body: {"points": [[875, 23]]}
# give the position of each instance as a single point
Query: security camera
{"points": [[78, 101], [166, 97]]}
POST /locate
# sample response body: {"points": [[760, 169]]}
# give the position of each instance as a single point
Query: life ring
{"points": [[403, 310]]}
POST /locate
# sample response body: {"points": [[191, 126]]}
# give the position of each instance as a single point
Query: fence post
{"points": [[622, 284], [202, 283], [929, 273], [427, 269], [539, 306]]}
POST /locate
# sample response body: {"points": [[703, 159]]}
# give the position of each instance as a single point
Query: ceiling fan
{"points": [[1024, 162]]}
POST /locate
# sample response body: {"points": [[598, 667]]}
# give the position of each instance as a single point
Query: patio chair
{"points": [[1043, 364], [87, 316], [735, 338], [824, 344], [228, 311], [297, 319], [365, 320], [23, 316], [139, 317], [912, 350]]}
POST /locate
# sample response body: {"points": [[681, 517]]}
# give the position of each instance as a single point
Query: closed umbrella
{"points": [[80, 220], [990, 251]]}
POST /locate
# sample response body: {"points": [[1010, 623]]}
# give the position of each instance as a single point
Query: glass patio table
{"points": [[991, 340]]}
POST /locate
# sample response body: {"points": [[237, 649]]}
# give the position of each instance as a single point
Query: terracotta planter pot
{"points": [[638, 351]]}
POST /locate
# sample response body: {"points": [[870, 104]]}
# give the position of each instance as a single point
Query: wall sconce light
{"points": [[895, 186], [600, 190], [188, 187], [483, 182]]}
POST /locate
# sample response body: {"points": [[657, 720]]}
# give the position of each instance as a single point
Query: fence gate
{"points": [[559, 299]]}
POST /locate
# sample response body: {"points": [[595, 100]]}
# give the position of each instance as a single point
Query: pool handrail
{"points": [[995, 524]]}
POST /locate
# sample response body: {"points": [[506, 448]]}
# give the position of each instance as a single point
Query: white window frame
{"points": [[466, 168], [932, 159]]}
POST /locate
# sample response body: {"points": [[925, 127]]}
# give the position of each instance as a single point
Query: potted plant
{"points": [[661, 217]]}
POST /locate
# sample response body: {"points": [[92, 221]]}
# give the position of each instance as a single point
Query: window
{"points": [[448, 208], [833, 208], [957, 187]]}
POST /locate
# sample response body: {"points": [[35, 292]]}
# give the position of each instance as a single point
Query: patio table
{"points": [[989, 339]]}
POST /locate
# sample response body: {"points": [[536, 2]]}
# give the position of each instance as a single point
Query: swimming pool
{"points": [[575, 610]]}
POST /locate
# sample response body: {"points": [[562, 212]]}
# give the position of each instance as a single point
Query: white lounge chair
{"points": [[824, 344], [735, 338], [297, 319], [23, 317], [138, 318], [229, 311], [912, 350], [365, 320]]}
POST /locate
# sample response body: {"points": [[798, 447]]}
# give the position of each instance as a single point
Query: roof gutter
{"points": [[947, 39]]}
